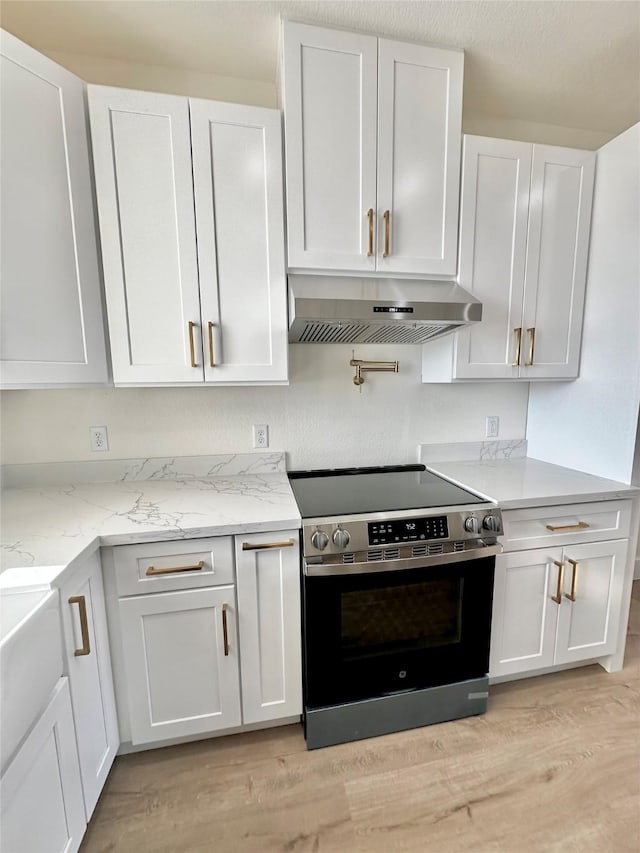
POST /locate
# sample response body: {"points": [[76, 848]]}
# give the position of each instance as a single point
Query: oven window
{"points": [[389, 619]]}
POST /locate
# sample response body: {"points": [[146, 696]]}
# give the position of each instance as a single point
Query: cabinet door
{"points": [[557, 249], [41, 793], [88, 665], [142, 157], [268, 576], [493, 238], [524, 620], [330, 135], [419, 133], [181, 663], [51, 326], [588, 626], [237, 175]]}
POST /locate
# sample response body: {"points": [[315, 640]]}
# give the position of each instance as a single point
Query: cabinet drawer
{"points": [[166, 566], [563, 525]]}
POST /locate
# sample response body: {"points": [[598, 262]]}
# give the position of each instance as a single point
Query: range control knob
{"points": [[341, 537], [491, 522], [319, 540], [471, 524]]}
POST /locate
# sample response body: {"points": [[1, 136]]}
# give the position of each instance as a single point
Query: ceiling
{"points": [[559, 62]]}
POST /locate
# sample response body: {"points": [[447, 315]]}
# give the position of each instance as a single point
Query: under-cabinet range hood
{"points": [[327, 309]]}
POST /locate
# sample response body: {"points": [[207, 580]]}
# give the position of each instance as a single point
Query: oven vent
{"points": [[432, 550], [419, 550], [383, 554], [347, 559], [457, 547]]}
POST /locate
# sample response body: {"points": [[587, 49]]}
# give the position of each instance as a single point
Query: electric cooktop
{"points": [[350, 491]]}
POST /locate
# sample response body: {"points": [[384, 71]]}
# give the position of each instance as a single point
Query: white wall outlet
{"points": [[99, 438], [493, 426], [260, 436]]}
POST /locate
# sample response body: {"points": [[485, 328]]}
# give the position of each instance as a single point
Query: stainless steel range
{"points": [[397, 581]]}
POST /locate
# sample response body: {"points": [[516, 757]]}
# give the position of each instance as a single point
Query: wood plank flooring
{"points": [[553, 766]]}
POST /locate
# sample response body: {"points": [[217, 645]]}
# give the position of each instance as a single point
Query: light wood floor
{"points": [[553, 766]]}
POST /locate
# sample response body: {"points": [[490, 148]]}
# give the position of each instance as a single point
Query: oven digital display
{"points": [[408, 530]]}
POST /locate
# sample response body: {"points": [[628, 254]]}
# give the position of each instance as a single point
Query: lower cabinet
{"points": [[181, 663], [556, 605], [41, 791], [88, 665], [268, 573], [205, 658]]}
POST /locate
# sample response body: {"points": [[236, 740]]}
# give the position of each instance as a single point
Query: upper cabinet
{"points": [[191, 220], [524, 238], [372, 149], [51, 329]]}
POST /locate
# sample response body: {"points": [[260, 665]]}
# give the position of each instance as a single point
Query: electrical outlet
{"points": [[99, 438], [260, 436], [493, 426]]}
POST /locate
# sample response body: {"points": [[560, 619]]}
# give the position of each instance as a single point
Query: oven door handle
{"points": [[328, 569]]}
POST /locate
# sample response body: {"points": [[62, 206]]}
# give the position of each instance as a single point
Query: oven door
{"points": [[383, 632]]}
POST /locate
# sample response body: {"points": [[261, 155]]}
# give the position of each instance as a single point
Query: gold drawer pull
{"points": [[574, 580], [518, 333], [173, 570], [558, 596], [212, 362], [532, 344], [225, 630], [387, 233], [370, 249], [248, 546], [84, 625], [581, 525], [192, 346]]}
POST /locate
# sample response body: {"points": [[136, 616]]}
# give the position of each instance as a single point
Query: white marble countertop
{"points": [[57, 525], [524, 482]]}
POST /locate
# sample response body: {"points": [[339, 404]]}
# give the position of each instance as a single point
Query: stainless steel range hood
{"points": [[327, 309]]}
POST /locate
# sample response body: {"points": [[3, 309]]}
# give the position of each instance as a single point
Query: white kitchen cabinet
{"points": [[372, 133], [556, 605], [41, 790], [524, 239], [51, 329], [191, 220], [268, 576], [205, 643], [181, 663], [88, 665]]}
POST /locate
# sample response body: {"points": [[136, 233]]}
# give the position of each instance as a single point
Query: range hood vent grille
{"points": [[360, 333], [342, 310], [332, 333]]}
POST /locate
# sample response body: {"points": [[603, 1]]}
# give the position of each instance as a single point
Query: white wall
{"points": [[321, 418], [591, 424], [175, 81], [172, 81]]}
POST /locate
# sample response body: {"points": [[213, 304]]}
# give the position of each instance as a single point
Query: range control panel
{"points": [[408, 530]]}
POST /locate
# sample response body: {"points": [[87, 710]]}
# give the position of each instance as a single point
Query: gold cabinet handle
{"points": [[192, 347], [174, 569], [518, 333], [558, 596], [532, 344], [84, 625], [574, 580], [212, 362], [387, 233], [370, 249], [225, 630], [248, 546], [581, 525]]}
